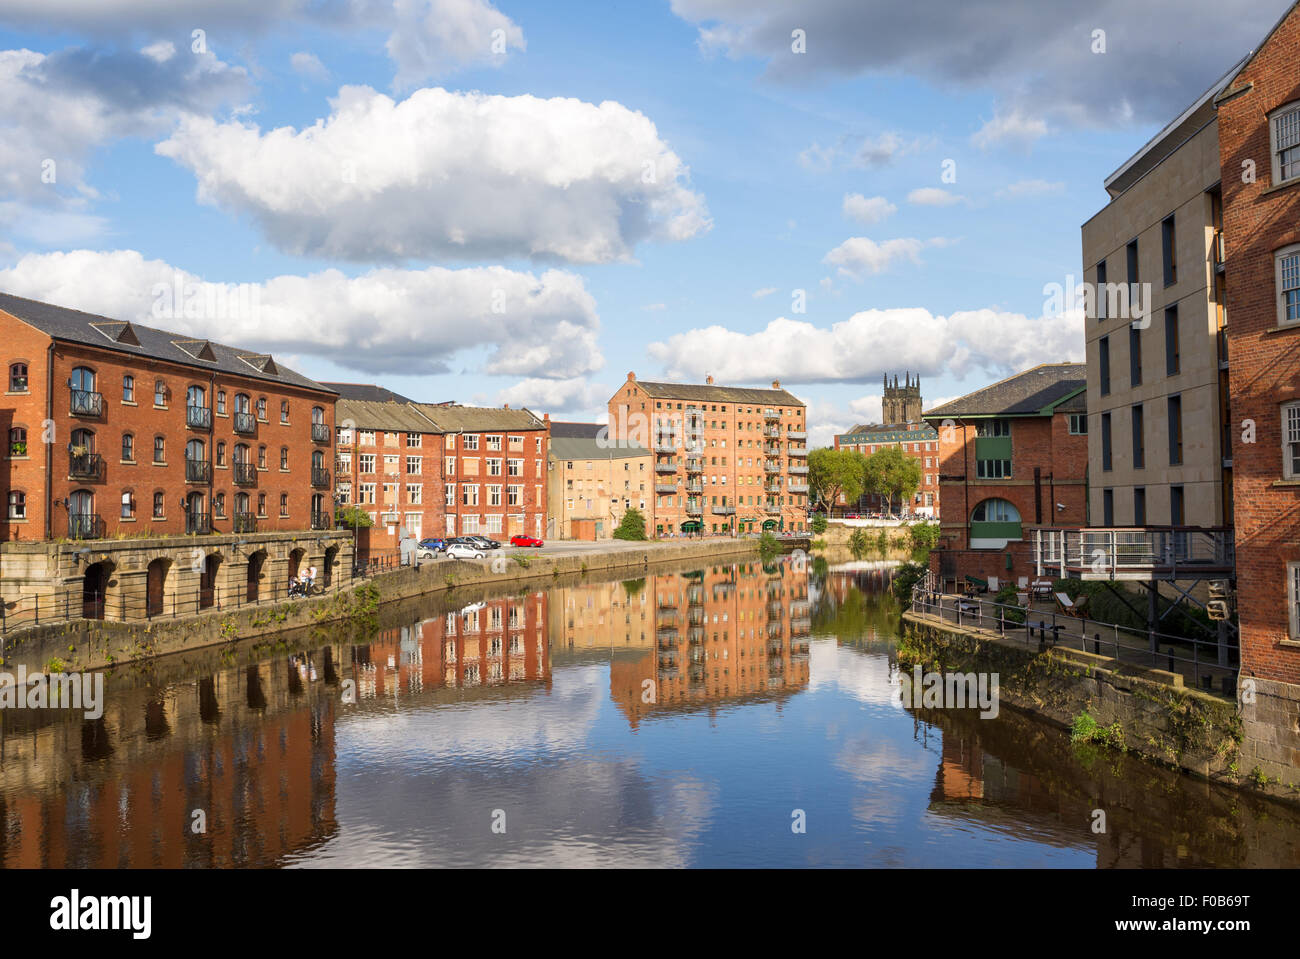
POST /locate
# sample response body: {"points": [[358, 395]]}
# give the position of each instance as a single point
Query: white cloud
{"points": [[1014, 129], [859, 255], [160, 52], [433, 37], [575, 395], [874, 342], [445, 174], [883, 150], [867, 210], [308, 65], [764, 292], [817, 158], [868, 409], [933, 196], [383, 321], [1027, 188]]}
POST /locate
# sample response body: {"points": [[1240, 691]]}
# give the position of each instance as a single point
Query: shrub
{"points": [[905, 577], [860, 543], [1015, 613], [819, 523], [924, 535], [632, 527], [347, 517]]}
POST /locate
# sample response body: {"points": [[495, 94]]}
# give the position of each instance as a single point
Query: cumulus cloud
{"points": [[385, 321], [867, 210], [443, 174], [433, 37], [859, 255], [933, 196], [308, 66], [873, 342], [1160, 55], [1014, 129], [575, 395]]}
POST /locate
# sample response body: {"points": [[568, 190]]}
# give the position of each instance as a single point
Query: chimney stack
{"points": [[505, 406], [776, 384], [708, 380], [631, 377]]}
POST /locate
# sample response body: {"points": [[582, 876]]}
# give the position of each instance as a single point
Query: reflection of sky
{"points": [[580, 787]]}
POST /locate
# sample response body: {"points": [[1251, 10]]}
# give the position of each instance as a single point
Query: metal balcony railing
{"points": [[796, 451], [197, 471], [772, 508], [694, 465], [245, 474], [771, 415], [724, 510], [86, 403], [694, 509], [198, 417], [798, 487], [665, 467], [198, 524], [796, 435], [798, 470], [665, 487], [1135, 553], [320, 433], [770, 467], [321, 520], [320, 477], [85, 526], [245, 523], [86, 466], [245, 423], [665, 448]]}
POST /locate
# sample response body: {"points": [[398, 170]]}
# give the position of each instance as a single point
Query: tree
{"points": [[632, 527], [834, 473], [349, 517], [819, 523], [893, 474]]}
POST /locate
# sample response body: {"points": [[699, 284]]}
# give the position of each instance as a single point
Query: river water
{"points": [[724, 715]]}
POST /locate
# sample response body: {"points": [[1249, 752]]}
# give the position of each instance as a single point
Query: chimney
{"points": [[505, 406], [631, 377], [708, 380], [776, 384]]}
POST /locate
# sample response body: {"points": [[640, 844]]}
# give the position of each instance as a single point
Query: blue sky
{"points": [[448, 175]]}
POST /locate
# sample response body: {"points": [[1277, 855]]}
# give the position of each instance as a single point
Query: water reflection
{"points": [[673, 719]]}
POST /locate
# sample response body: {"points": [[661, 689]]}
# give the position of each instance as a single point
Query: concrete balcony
{"points": [[669, 488], [796, 435], [665, 447], [801, 451], [1135, 553], [694, 509], [695, 487], [798, 487], [772, 509], [771, 467], [723, 510], [694, 465], [771, 415], [799, 470], [665, 467]]}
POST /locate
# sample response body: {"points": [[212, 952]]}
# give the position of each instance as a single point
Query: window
{"points": [[1108, 507], [1173, 357], [1101, 290], [515, 467], [494, 496], [494, 443], [514, 495], [1134, 356], [469, 495], [158, 512], [159, 449], [414, 494], [1139, 438], [414, 465], [221, 402], [261, 504], [1175, 430], [1293, 597], [159, 393], [261, 457], [366, 462], [219, 504], [995, 511], [128, 506], [449, 466], [284, 411], [993, 469], [1131, 257], [1291, 440], [18, 441], [128, 447], [366, 438], [1139, 506], [1168, 250], [450, 498], [18, 378], [1288, 285], [494, 467], [284, 504], [471, 442], [1078, 424], [1103, 364], [1105, 442], [1284, 134], [261, 409], [221, 453], [366, 493], [128, 388], [284, 457], [1177, 513], [17, 505], [414, 440]]}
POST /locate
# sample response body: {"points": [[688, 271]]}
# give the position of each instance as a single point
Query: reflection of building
{"points": [[594, 482], [609, 615], [720, 634]]}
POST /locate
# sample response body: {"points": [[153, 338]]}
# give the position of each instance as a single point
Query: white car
{"points": [[464, 551]]}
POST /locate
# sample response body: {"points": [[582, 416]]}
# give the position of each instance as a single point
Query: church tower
{"points": [[901, 404]]}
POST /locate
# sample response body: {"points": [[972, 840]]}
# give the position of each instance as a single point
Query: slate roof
{"points": [[590, 431], [886, 433], [122, 336], [478, 419], [591, 448], [719, 394], [1024, 394], [372, 415], [367, 391]]}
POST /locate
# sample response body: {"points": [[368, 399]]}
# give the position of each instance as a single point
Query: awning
{"points": [[769, 524], [690, 525]]}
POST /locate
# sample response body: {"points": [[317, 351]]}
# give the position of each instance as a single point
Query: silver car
{"points": [[464, 551]]}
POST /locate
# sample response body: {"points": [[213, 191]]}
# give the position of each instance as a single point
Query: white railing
{"points": [[1160, 552]]}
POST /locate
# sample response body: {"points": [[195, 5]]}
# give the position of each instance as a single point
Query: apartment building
{"points": [[1157, 366], [901, 427], [593, 483], [727, 459], [123, 439], [1011, 455], [442, 469], [1259, 153]]}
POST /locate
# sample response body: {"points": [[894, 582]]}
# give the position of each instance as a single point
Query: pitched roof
{"points": [[887, 433], [373, 415], [366, 391], [588, 431], [123, 336], [478, 419], [701, 393], [1025, 394], [591, 448]]}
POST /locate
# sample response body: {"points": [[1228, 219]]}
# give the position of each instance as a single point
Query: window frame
{"points": [[1278, 256], [1275, 160], [1290, 470]]}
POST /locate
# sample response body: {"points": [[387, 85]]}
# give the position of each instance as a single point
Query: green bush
{"points": [[906, 577], [1105, 607], [924, 535], [349, 517], [632, 527], [1007, 597], [768, 546], [860, 543], [819, 523]]}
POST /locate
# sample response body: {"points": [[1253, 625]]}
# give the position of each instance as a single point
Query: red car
{"points": [[526, 541]]}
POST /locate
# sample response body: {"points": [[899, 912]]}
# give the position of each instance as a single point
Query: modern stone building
{"points": [[727, 459], [593, 483]]}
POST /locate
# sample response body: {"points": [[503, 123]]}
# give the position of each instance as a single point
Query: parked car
{"points": [[521, 540], [464, 551], [426, 552], [482, 542], [433, 543]]}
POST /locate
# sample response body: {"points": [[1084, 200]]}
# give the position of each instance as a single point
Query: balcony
{"points": [[797, 451], [1136, 553], [320, 477], [694, 465], [770, 467], [321, 520], [245, 423], [796, 435], [665, 467], [799, 470], [772, 432], [245, 523], [723, 510], [661, 447], [694, 509], [86, 403], [197, 471], [198, 524], [665, 488], [86, 466], [198, 417], [320, 433], [772, 509], [85, 526], [771, 415], [798, 487], [245, 474], [772, 449], [695, 487]]}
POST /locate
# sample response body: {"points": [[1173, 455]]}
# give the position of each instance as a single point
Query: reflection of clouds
{"points": [[863, 676], [478, 730]]}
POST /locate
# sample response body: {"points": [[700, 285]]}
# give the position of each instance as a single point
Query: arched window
{"points": [[993, 523], [284, 411], [196, 396], [261, 457], [128, 447], [83, 379], [318, 414], [17, 377], [284, 457], [261, 504], [221, 453], [221, 402], [241, 403], [158, 505], [241, 453], [160, 449], [128, 388], [284, 504], [219, 504], [261, 408]]}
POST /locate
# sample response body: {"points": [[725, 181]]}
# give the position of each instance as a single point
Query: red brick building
{"points": [[442, 469], [917, 441], [1012, 456], [1259, 150], [118, 429]]}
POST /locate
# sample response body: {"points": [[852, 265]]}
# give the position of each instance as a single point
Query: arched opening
{"points": [[197, 520], [255, 564], [155, 587], [331, 557], [94, 586], [208, 580], [993, 523], [295, 562]]}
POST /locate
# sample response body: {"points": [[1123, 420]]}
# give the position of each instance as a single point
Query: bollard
{"points": [[1096, 643]]}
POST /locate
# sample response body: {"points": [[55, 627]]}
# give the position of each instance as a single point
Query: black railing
{"points": [[86, 403], [245, 474], [320, 520], [198, 417], [245, 523], [197, 471], [320, 476], [85, 526], [86, 466], [320, 433], [245, 423], [198, 524]]}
